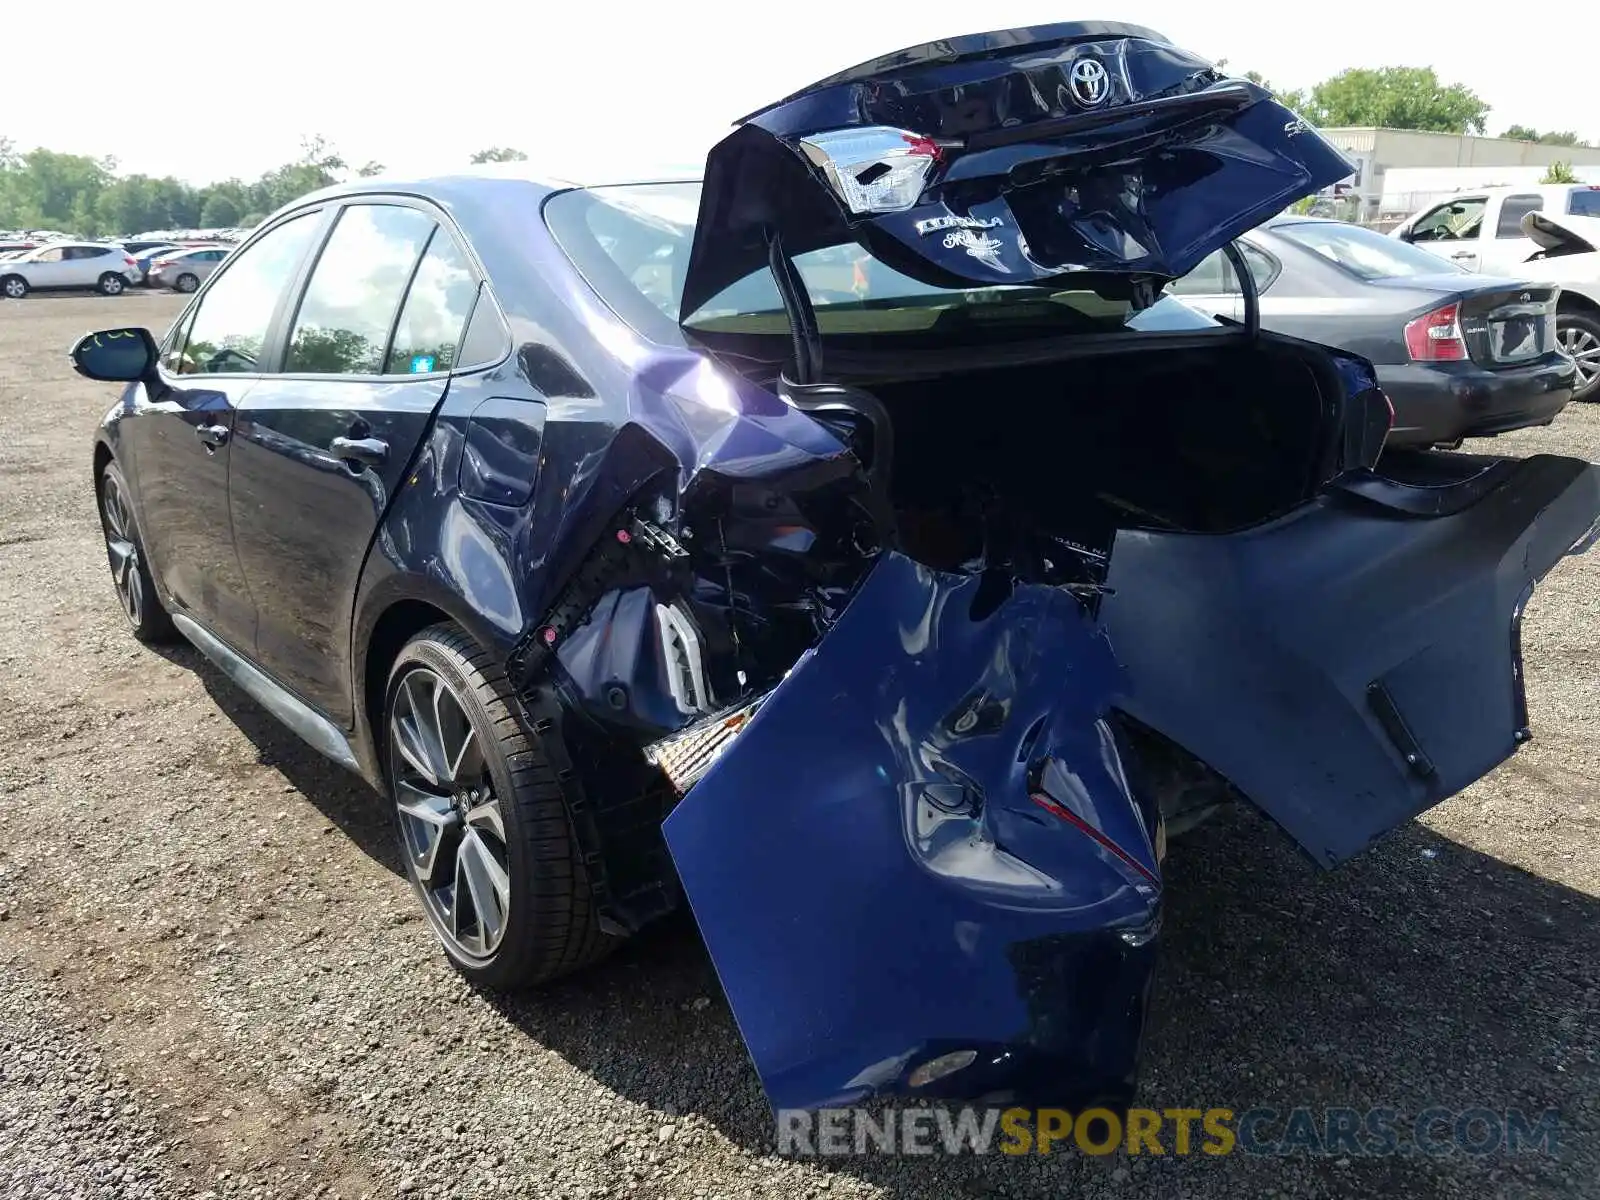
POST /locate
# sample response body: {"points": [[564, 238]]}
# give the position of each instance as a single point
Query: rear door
{"points": [[85, 264], [1508, 247], [322, 444]]}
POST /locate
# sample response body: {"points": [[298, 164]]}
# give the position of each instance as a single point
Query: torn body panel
{"points": [[925, 844]]}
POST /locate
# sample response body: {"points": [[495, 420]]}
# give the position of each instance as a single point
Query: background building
{"points": [[1402, 170]]}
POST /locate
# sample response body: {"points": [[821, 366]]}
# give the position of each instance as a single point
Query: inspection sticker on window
{"points": [[421, 364]]}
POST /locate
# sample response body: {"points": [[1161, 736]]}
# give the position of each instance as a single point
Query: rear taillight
{"points": [[130, 260], [161, 262], [1436, 336]]}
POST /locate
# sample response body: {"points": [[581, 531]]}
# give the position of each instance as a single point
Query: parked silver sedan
{"points": [[186, 269]]}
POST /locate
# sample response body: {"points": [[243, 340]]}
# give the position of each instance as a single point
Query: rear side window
{"points": [[231, 323], [349, 306], [1512, 211], [428, 336], [1584, 202], [1215, 276]]}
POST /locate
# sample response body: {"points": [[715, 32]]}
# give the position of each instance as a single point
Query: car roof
{"points": [[472, 179]]}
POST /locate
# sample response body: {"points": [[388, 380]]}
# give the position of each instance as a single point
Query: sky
{"points": [[651, 86]]}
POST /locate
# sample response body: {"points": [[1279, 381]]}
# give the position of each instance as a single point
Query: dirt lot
{"points": [[213, 977]]}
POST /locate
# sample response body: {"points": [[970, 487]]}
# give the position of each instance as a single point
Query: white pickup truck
{"points": [[1544, 234]]}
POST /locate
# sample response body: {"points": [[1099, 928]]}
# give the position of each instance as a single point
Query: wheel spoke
{"points": [[425, 820], [416, 734], [456, 736], [484, 883], [121, 554], [487, 817]]}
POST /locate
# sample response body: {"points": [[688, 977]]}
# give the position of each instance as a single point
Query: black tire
{"points": [[549, 926], [130, 570], [1583, 330], [185, 283], [13, 287], [112, 284]]}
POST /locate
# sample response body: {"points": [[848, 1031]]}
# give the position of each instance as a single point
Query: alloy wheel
{"points": [[1584, 347], [122, 548], [451, 824], [15, 289]]}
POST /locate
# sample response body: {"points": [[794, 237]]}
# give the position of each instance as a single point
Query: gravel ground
{"points": [[215, 979]]}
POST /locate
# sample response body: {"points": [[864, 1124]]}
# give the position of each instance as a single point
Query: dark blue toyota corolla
{"points": [[859, 544]]}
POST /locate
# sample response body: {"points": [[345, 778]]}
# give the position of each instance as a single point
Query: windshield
{"points": [[631, 243], [1364, 253]]}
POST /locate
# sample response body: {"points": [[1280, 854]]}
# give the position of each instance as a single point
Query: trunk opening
{"points": [[993, 468]]}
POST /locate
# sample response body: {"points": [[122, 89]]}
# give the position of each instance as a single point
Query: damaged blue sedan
{"points": [[858, 544]]}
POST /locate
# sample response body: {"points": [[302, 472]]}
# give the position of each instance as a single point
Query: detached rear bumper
{"points": [[1441, 402], [922, 870]]}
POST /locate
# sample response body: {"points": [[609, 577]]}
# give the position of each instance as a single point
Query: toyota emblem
{"points": [[1088, 82]]}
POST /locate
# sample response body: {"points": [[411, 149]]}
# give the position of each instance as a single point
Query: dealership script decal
{"points": [[981, 246]]}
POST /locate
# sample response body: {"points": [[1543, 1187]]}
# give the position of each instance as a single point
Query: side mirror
{"points": [[116, 355]]}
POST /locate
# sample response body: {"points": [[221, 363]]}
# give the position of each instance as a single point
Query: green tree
{"points": [[1564, 137], [372, 168], [220, 210], [1559, 172], [1397, 98], [1291, 98], [498, 154]]}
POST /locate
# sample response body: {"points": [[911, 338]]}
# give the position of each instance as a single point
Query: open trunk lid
{"points": [[1562, 234], [1008, 158]]}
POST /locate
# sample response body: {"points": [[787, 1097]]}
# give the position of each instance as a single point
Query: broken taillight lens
{"points": [[873, 170], [1436, 336]]}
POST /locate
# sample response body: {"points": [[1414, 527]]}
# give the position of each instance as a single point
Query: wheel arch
{"points": [[1571, 301], [393, 628], [102, 456]]}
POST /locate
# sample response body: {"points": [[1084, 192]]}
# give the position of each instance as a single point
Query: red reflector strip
{"points": [[1077, 822]]}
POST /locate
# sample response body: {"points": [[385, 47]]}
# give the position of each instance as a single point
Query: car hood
{"points": [[1008, 157], [1574, 235]]}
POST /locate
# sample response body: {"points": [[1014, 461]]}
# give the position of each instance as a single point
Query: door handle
{"points": [[370, 452], [1462, 254], [212, 435]]}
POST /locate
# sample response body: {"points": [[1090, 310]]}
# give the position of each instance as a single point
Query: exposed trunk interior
{"points": [[1201, 439]]}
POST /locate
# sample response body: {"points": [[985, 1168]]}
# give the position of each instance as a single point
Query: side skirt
{"points": [[321, 734]]}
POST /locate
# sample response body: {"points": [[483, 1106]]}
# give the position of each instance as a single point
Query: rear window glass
{"points": [[632, 244], [1584, 202], [1364, 253]]}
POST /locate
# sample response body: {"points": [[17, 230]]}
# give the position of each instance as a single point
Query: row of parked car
{"points": [[107, 267], [1481, 313]]}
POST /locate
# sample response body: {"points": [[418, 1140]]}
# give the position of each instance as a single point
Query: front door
{"points": [[1453, 231], [180, 445], [48, 268], [321, 447]]}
